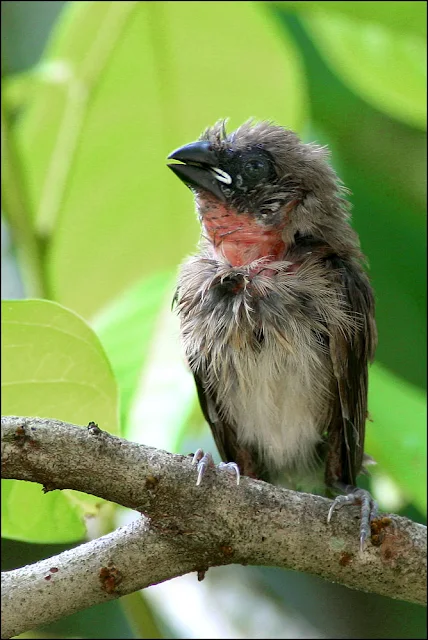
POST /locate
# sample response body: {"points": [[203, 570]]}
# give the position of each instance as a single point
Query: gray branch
{"points": [[185, 528]]}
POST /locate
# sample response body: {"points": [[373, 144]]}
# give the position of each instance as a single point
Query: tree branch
{"points": [[186, 528]]}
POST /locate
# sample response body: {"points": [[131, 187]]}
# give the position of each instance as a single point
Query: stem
{"points": [[16, 208]]}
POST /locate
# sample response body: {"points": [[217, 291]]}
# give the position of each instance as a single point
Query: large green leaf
{"points": [[377, 48], [124, 83], [388, 69], [403, 16], [53, 366], [397, 437], [30, 516]]}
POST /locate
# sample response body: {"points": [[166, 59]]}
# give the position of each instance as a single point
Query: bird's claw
{"points": [[369, 510], [205, 460], [231, 467]]}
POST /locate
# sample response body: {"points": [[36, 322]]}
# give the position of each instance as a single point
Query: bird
{"points": [[277, 312]]}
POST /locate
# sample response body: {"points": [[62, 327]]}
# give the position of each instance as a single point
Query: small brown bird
{"points": [[276, 311]]}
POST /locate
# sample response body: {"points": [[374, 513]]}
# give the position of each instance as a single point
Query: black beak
{"points": [[199, 160]]}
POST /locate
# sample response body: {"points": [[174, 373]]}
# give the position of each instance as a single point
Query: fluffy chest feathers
{"points": [[258, 341]]}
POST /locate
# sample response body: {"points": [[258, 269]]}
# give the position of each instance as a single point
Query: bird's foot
{"points": [[205, 460], [369, 508]]}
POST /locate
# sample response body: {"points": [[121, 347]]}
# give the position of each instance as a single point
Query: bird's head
{"points": [[258, 187]]}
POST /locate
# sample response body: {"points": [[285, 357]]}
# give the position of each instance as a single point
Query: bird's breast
{"points": [[259, 345]]}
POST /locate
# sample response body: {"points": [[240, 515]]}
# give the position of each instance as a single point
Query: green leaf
{"points": [[386, 68], [126, 328], [30, 516], [397, 437], [140, 334], [401, 16], [166, 394], [53, 366], [129, 82]]}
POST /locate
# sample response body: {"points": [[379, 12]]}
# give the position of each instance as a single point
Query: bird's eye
{"points": [[256, 168]]}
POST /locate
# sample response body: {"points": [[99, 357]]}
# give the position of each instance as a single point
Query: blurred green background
{"points": [[94, 97]]}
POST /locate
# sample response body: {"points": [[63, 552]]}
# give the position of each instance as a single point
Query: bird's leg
{"points": [[352, 496], [205, 460]]}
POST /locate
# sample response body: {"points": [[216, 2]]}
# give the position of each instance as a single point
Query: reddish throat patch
{"points": [[239, 238]]}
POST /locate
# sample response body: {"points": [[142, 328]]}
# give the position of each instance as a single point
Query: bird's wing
{"points": [[350, 355]]}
